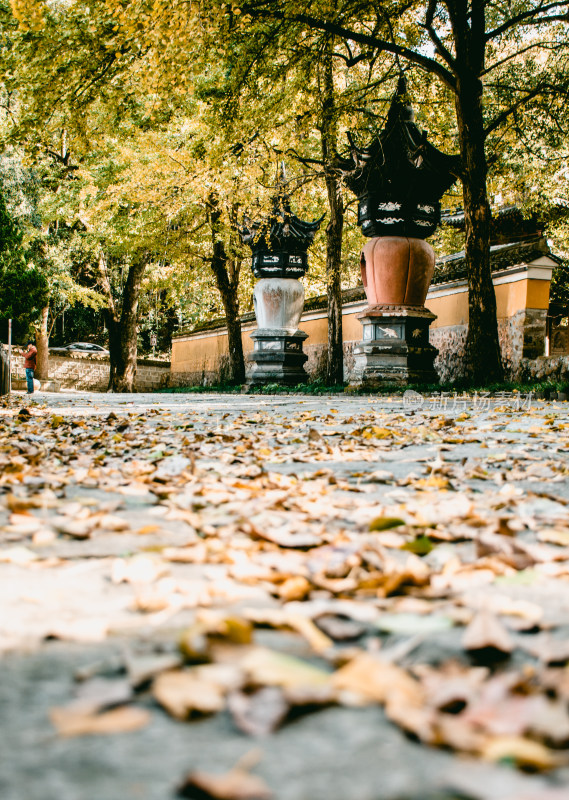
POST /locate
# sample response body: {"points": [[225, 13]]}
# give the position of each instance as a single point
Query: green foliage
{"points": [[11, 250], [23, 293], [23, 289]]}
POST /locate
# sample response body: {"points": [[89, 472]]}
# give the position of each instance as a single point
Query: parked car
{"points": [[80, 347]]}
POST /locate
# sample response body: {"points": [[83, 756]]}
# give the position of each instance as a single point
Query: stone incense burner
{"points": [[399, 181], [279, 258]]}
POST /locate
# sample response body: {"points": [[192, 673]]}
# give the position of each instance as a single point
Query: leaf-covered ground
{"points": [[245, 597]]}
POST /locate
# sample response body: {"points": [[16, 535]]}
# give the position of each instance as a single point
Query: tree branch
{"points": [[428, 64], [540, 45], [439, 46], [527, 15], [351, 61], [522, 101], [303, 160]]}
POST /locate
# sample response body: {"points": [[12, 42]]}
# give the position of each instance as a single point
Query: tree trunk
{"points": [[42, 344], [483, 356], [234, 340], [124, 374], [334, 230], [113, 327], [226, 272], [122, 328]]}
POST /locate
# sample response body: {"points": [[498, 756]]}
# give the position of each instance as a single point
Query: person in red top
{"points": [[30, 361]]}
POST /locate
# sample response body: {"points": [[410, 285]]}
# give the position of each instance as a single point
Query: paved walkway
{"points": [[126, 519]]}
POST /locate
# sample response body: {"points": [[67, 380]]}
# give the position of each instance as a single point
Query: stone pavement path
{"points": [[371, 596]]}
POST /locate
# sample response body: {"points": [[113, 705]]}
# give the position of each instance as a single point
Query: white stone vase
{"points": [[278, 303]]}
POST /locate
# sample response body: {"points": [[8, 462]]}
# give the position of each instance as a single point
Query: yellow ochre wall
{"points": [[452, 309], [203, 351]]}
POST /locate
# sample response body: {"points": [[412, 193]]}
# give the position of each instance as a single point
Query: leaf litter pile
{"points": [[288, 558]]}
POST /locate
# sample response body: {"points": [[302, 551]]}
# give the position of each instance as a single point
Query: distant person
{"points": [[30, 362]]}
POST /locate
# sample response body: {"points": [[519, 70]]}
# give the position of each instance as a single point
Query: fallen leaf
{"points": [[523, 752], [284, 537], [486, 634], [138, 569], [266, 667], [258, 713], [421, 546], [183, 693], [409, 624], [385, 523], [234, 785], [294, 588], [280, 618], [143, 668], [380, 681], [379, 476], [21, 556], [314, 436], [546, 648], [340, 628], [118, 720]]}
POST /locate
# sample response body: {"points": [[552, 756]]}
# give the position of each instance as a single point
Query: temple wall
{"points": [[90, 372], [522, 299], [559, 340]]}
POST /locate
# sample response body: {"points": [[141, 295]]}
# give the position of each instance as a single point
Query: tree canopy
{"points": [[153, 109]]}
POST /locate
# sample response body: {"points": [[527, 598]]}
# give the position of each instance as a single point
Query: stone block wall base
{"points": [[374, 377], [395, 348], [277, 358]]}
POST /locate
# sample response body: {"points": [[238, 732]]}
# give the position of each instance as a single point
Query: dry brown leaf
{"points": [[451, 686], [284, 537], [78, 723], [453, 731], [146, 529], [486, 633], [558, 536], [229, 677], [149, 601], [112, 522], [280, 618], [296, 588], [340, 628], [524, 752], [550, 722], [77, 529], [258, 713], [183, 693], [311, 695], [546, 648], [138, 569], [418, 720], [233, 785], [314, 435], [511, 715], [194, 554], [266, 667], [368, 675]]}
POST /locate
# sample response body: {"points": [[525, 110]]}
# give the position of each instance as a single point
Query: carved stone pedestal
{"points": [[277, 357], [395, 348]]}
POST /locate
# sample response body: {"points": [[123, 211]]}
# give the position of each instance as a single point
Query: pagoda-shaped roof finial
{"points": [[279, 244], [400, 177]]}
